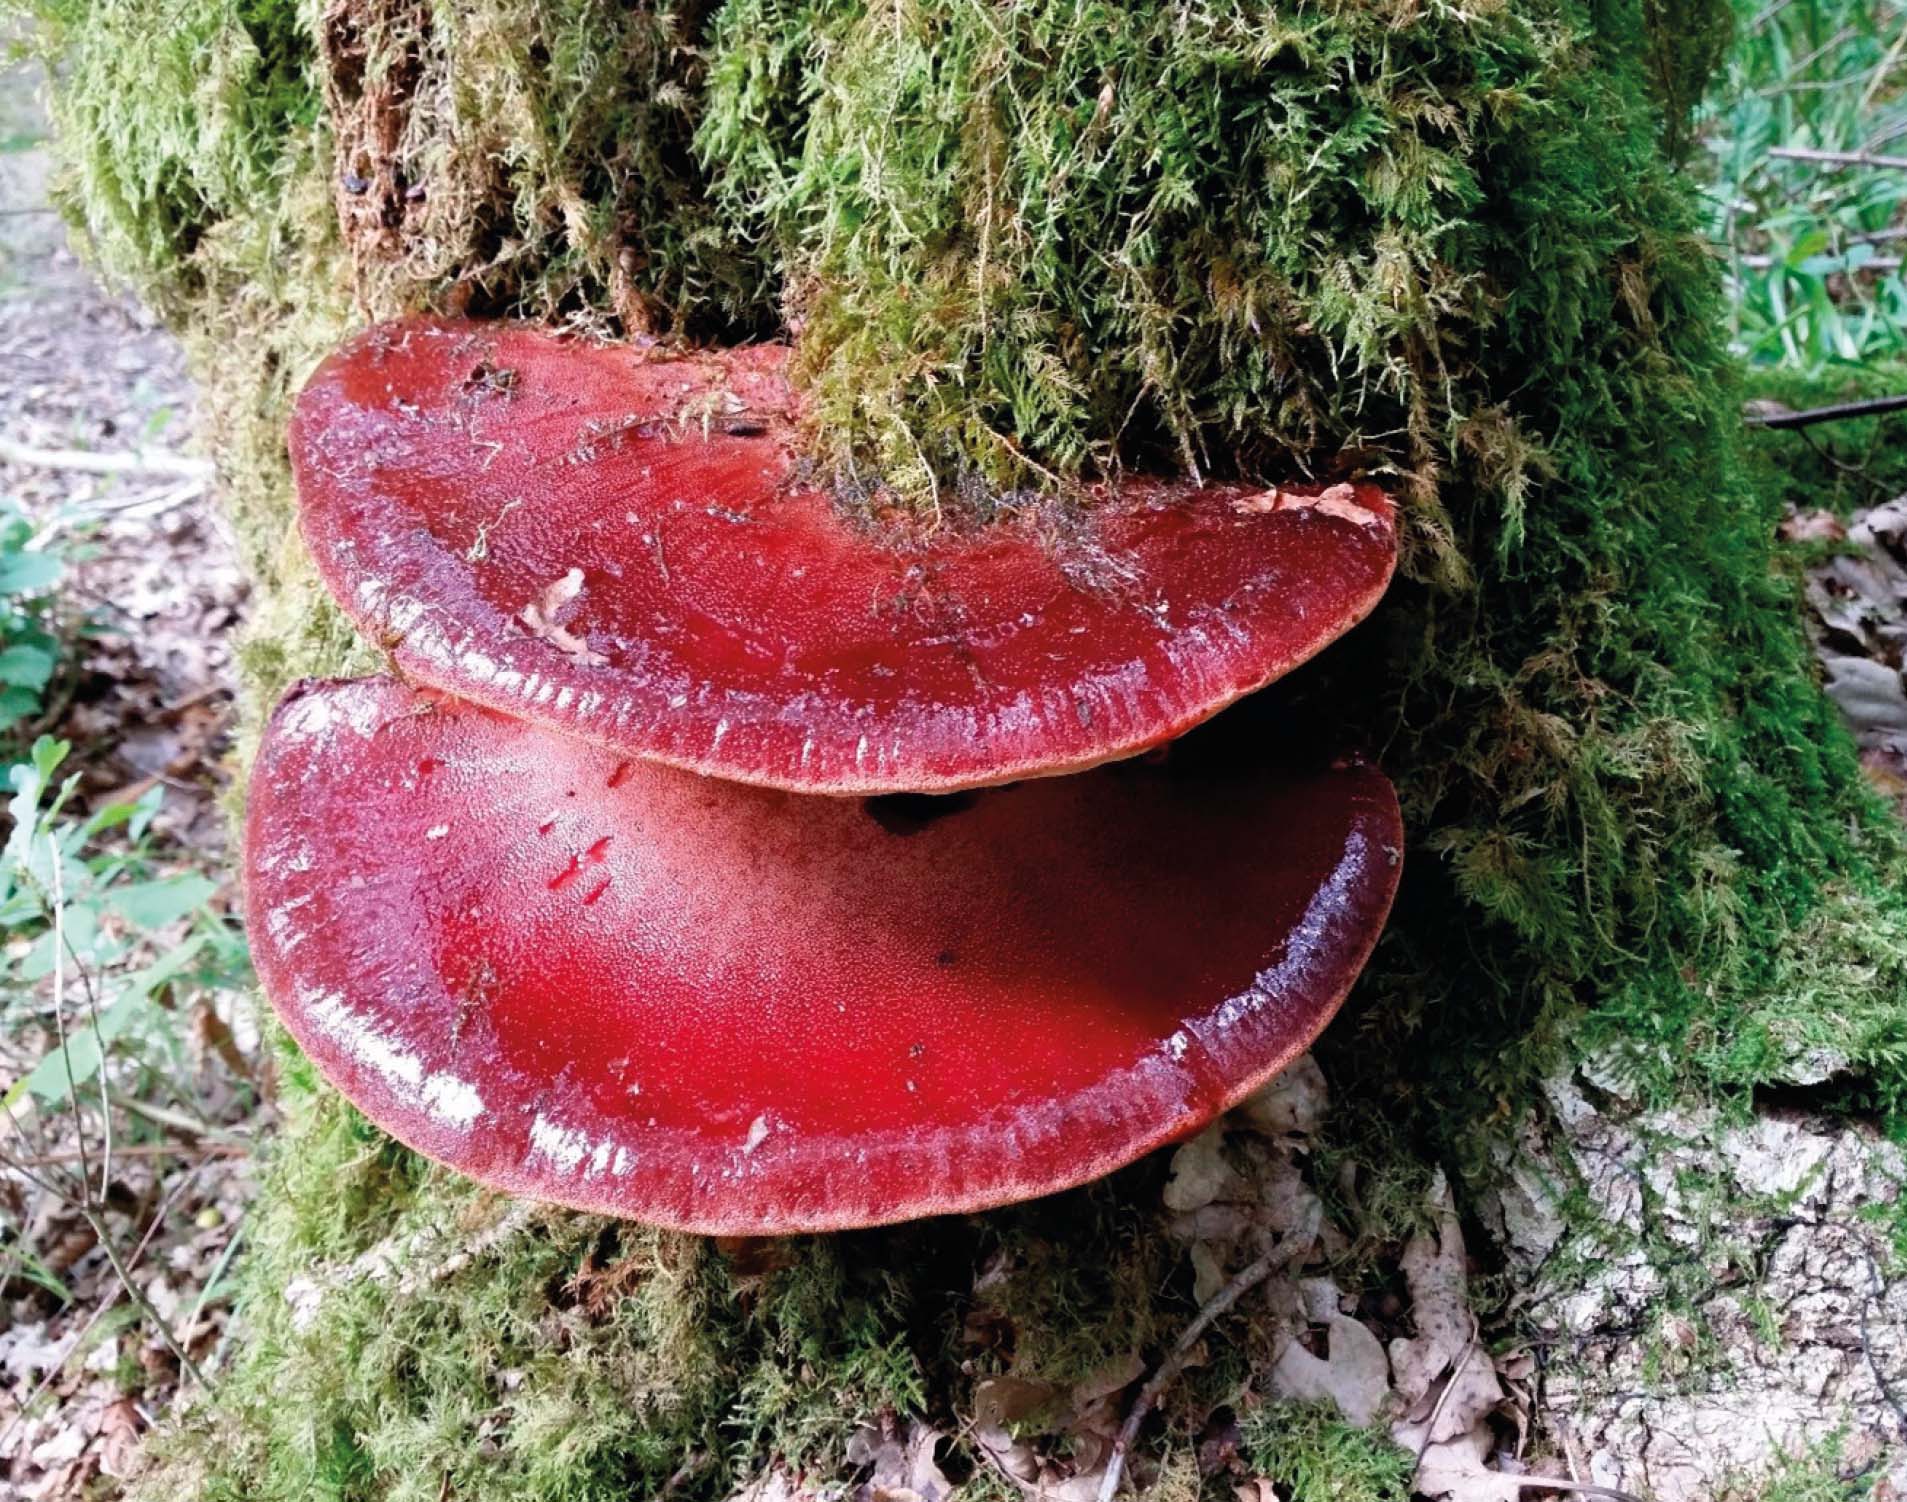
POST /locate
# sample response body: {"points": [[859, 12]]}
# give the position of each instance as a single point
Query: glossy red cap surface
{"points": [[618, 545], [614, 985]]}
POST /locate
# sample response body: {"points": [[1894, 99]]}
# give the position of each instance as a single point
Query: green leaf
{"points": [[53, 1080], [60, 1072], [143, 811], [29, 573], [26, 665], [153, 904], [15, 705]]}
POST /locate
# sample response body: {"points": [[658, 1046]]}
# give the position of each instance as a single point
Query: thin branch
{"points": [[1280, 1256], [99, 1043], [178, 1120], [106, 1304], [133, 1150], [1564, 1484], [1872, 407], [1876, 264], [137, 1295], [59, 1012], [1838, 158], [1430, 1429], [85, 461]]}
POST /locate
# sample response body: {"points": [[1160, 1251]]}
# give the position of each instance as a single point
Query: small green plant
{"points": [[98, 946], [1808, 139], [81, 906], [29, 644]]}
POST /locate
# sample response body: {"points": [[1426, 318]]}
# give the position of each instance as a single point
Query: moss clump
{"points": [[510, 154], [1027, 244], [1840, 465], [1314, 1454]]}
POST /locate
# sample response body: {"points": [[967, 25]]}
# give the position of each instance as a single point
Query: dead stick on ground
{"points": [[129, 1150], [1286, 1252], [1837, 158], [1873, 407], [141, 462], [1564, 1484], [1450, 1386]]}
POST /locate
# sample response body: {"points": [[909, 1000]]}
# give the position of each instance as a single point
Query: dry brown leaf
{"points": [[1353, 1375], [1812, 526], [1292, 1105], [1200, 1173], [902, 1458], [1433, 1266], [1459, 1471]]}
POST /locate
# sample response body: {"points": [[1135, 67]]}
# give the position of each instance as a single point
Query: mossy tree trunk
{"points": [[1024, 244]]}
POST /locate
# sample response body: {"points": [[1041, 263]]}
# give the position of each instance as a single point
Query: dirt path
{"points": [[148, 608]]}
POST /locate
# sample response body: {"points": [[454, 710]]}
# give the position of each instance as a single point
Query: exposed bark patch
{"points": [[373, 56]]}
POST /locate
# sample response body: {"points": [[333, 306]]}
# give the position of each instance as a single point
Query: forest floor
{"points": [[157, 1174], [1788, 1336]]}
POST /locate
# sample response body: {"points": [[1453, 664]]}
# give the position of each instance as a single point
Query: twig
{"points": [[99, 1038], [112, 1297], [1876, 264], [1456, 1371], [1872, 407], [59, 1013], [1838, 158], [138, 1296], [177, 1120], [1564, 1484], [1835, 461], [1287, 1251], [90, 1206], [133, 1150], [85, 461]]}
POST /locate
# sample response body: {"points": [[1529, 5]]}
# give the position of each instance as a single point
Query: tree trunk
{"points": [[1024, 244]]}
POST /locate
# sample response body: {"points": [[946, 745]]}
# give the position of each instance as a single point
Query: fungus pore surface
{"points": [[608, 983], [623, 544]]}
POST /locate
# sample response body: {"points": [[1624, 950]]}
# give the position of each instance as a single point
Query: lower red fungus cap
{"points": [[619, 544], [733, 1010]]}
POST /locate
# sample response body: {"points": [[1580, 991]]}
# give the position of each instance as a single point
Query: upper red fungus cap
{"points": [[619, 544], [735, 1010]]}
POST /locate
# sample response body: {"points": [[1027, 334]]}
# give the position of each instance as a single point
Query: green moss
{"points": [[1308, 1451], [509, 155], [177, 120], [1838, 465], [1817, 1474], [1029, 243]]}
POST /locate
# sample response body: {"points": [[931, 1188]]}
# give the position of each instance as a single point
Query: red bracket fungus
{"points": [[605, 982], [620, 545], [500, 914]]}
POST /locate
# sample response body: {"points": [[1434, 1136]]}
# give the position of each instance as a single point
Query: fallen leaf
{"points": [[1000, 1401], [1812, 526], [1200, 1173], [1354, 1374], [903, 1463], [1433, 1266], [1457, 1471], [1292, 1105]]}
